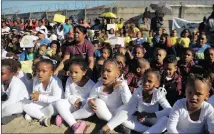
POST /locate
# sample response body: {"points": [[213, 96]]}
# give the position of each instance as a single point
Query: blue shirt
{"points": [[139, 41], [97, 53], [45, 42], [67, 28], [199, 51]]}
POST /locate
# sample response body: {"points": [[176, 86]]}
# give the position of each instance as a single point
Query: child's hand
{"points": [[92, 104], [77, 104], [117, 84], [35, 96]]}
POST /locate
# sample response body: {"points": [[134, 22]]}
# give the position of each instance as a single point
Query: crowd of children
{"points": [[156, 83]]}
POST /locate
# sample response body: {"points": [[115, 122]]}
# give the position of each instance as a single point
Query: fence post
{"points": [[85, 12], [182, 10], [46, 14], [30, 16]]}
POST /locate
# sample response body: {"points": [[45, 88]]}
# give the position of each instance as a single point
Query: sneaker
{"points": [[45, 121], [79, 128], [58, 120], [27, 117]]}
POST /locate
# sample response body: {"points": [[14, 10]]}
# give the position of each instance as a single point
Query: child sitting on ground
{"points": [[47, 89], [13, 91], [142, 113], [186, 63], [157, 62], [106, 97], [193, 113], [171, 80], [134, 76], [77, 90]]}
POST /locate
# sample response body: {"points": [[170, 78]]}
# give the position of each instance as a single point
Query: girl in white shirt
{"points": [[107, 96], [14, 91], [193, 113], [77, 90], [142, 112], [47, 89]]}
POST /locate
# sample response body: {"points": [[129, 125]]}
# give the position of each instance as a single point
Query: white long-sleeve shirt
{"points": [[73, 91], [28, 83], [211, 100], [16, 92], [121, 95], [53, 92], [136, 103], [180, 122]]}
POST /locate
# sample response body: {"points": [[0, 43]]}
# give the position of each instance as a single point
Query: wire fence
{"points": [[68, 5], [73, 5]]}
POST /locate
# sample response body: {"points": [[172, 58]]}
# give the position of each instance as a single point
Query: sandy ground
{"points": [[20, 125]]}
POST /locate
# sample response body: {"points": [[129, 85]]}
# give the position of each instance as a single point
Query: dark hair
{"points": [[100, 58], [121, 55], [141, 47], [46, 61], [112, 61], [184, 31], [11, 64], [57, 44], [79, 61], [66, 20], [44, 45], [189, 49], [170, 59], [196, 69], [157, 73], [19, 64], [109, 51], [206, 52], [204, 78], [158, 49], [81, 28]]}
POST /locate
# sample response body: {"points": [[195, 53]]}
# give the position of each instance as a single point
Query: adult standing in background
{"points": [[80, 47], [120, 24], [210, 27], [42, 27], [67, 26], [156, 22], [145, 27]]}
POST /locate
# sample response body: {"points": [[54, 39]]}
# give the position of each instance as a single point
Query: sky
{"points": [[13, 6]]}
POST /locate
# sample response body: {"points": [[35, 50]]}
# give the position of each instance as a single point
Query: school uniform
{"points": [[107, 104], [132, 81], [157, 67], [207, 66], [126, 117], [28, 83], [125, 70], [45, 106], [180, 122], [16, 95], [73, 92], [173, 87], [185, 69]]}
